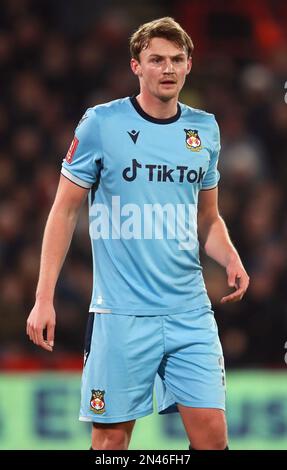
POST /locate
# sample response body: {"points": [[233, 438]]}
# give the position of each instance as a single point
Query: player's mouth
{"points": [[168, 82]]}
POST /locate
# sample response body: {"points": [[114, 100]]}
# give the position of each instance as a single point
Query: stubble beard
{"points": [[165, 98]]}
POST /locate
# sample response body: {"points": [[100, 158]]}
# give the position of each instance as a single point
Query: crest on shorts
{"points": [[192, 140], [97, 402]]}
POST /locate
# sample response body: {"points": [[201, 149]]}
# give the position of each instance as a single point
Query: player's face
{"points": [[162, 69]]}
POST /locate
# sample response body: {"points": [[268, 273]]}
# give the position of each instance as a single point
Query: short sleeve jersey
{"points": [[144, 175]]}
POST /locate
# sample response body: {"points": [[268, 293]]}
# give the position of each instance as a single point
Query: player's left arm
{"points": [[215, 241]]}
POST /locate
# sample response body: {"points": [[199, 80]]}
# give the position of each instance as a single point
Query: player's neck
{"points": [[156, 108]]}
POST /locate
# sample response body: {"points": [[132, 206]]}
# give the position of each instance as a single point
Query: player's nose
{"points": [[168, 66]]}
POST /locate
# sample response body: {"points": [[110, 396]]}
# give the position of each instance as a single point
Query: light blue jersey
{"points": [[144, 176]]}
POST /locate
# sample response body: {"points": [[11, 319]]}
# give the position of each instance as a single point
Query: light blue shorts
{"points": [[126, 357]]}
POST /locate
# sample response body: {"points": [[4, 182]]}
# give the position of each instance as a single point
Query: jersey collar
{"points": [[146, 116]]}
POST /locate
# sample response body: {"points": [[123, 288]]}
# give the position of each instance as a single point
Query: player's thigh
{"points": [[206, 428], [203, 419], [114, 431]]}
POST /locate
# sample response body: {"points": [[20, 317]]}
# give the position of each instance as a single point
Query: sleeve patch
{"points": [[72, 149]]}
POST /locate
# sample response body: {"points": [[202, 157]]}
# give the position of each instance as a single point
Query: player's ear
{"points": [[189, 65], [135, 66]]}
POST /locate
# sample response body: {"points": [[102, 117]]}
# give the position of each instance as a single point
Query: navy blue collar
{"points": [[146, 116]]}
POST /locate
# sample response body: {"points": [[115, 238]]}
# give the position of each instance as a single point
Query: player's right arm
{"points": [[58, 233]]}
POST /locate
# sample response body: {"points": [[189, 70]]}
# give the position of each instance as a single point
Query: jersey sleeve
{"points": [[82, 162], [212, 176]]}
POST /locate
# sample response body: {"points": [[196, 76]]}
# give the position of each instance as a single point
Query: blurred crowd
{"points": [[56, 59]]}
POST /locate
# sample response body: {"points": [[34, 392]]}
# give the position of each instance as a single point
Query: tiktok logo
{"points": [[133, 170], [162, 173]]}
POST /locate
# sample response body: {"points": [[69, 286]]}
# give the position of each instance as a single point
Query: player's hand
{"points": [[238, 278], [42, 317]]}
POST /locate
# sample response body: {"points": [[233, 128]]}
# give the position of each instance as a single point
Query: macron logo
{"points": [[134, 135]]}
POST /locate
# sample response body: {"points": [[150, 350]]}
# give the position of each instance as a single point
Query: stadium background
{"points": [[57, 58]]}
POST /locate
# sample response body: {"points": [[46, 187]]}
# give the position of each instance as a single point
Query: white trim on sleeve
{"points": [[208, 188], [75, 179]]}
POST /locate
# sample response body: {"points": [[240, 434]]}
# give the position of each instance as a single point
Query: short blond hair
{"points": [[166, 28]]}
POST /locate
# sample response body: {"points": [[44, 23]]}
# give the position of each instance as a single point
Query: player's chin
{"points": [[167, 95]]}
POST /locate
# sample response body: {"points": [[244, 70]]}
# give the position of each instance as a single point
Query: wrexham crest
{"points": [[97, 402], [192, 140]]}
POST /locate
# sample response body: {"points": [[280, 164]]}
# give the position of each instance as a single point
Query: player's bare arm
{"points": [[57, 238], [215, 241]]}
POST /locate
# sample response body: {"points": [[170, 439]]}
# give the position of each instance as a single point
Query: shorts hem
{"points": [[164, 408], [116, 419]]}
